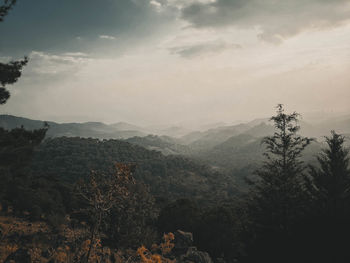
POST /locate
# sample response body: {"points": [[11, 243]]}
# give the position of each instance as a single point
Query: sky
{"points": [[152, 62]]}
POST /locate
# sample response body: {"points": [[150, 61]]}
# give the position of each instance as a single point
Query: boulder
{"points": [[185, 252], [183, 239], [195, 256]]}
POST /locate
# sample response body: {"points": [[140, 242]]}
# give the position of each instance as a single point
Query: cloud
{"points": [[275, 19], [184, 3], [75, 54], [72, 26], [52, 64], [156, 4], [106, 37], [198, 49]]}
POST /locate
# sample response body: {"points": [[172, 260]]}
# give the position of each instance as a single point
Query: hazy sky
{"points": [[177, 61]]}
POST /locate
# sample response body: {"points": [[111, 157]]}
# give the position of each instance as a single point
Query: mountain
{"points": [[9, 122], [173, 131], [191, 137], [124, 126], [164, 144], [261, 130], [204, 141], [241, 155], [323, 128], [214, 125], [86, 129], [236, 152]]}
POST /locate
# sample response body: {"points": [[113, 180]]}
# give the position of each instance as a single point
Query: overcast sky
{"points": [[177, 61]]}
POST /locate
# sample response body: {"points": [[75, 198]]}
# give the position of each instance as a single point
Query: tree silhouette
{"points": [[16, 152], [113, 204], [6, 7], [280, 184], [12, 71], [326, 223], [278, 199], [331, 181]]}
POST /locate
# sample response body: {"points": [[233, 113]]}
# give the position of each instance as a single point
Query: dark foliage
{"points": [[278, 199], [169, 176], [326, 225], [26, 192], [12, 71], [218, 232], [17, 146], [215, 229], [279, 191], [117, 207], [5, 8], [330, 182], [182, 214]]}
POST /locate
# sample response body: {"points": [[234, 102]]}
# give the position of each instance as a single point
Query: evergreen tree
{"points": [[17, 145], [278, 198], [280, 189], [331, 180], [9, 72], [326, 225], [5, 8]]}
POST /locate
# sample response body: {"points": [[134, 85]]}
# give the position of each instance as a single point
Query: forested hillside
{"points": [[170, 177]]}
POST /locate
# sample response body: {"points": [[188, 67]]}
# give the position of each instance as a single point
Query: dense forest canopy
{"points": [[168, 176]]}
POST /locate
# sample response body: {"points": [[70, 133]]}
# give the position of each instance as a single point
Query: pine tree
{"points": [[5, 8], [279, 190], [331, 181], [17, 145], [12, 71], [278, 197]]}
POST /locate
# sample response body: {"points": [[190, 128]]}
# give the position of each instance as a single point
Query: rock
{"points": [[185, 252], [183, 239], [195, 256], [19, 256]]}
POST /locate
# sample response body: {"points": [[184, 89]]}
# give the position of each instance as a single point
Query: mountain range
{"points": [[235, 150]]}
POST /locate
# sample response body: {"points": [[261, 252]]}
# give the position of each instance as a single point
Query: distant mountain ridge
{"points": [[164, 144], [86, 130], [167, 139], [235, 150]]}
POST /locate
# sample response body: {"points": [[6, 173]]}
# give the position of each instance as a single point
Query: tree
{"points": [[101, 193], [278, 198], [281, 175], [6, 7], [326, 225], [218, 231], [12, 71], [331, 181], [16, 152], [17, 145], [114, 207]]}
